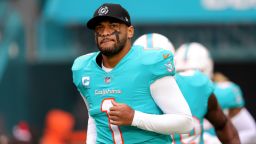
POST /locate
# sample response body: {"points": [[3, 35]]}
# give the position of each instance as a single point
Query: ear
{"points": [[130, 32]]}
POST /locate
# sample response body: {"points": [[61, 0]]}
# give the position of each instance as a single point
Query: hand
{"points": [[120, 114]]}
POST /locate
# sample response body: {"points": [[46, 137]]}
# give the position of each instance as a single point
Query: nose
{"points": [[106, 31]]}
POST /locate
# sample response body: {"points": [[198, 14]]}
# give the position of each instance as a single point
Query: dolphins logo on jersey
{"points": [[86, 81]]}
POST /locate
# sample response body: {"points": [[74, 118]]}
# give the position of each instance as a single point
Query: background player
{"points": [[228, 94], [231, 99], [198, 91]]}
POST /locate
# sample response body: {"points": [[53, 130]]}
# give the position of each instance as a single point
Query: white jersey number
{"points": [[191, 138], [116, 132]]}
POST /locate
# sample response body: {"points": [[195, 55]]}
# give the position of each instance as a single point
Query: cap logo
{"points": [[103, 10]]}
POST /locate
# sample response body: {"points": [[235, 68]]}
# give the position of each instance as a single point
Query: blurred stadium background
{"points": [[39, 39]]}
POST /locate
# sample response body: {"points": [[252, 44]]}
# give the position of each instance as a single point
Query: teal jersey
{"points": [[129, 83], [229, 95], [196, 88]]}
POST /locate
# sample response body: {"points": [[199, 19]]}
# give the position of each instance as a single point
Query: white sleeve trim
{"points": [[177, 117]]}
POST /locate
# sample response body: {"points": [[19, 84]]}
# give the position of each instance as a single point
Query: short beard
{"points": [[112, 51]]}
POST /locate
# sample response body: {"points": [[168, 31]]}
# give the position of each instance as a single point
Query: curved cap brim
{"points": [[94, 21]]}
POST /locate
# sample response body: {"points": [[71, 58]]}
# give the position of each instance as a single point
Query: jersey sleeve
{"points": [[229, 96], [75, 71], [77, 67], [238, 96], [161, 64]]}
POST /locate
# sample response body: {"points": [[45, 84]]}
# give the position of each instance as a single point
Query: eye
{"points": [[114, 25], [98, 28]]}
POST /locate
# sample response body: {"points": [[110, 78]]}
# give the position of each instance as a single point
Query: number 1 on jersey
{"points": [[116, 133]]}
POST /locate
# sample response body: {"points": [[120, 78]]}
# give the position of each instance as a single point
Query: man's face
{"points": [[110, 36]]}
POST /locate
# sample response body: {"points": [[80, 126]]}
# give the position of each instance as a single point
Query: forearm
{"points": [[164, 124], [224, 128], [91, 131], [166, 94], [227, 133], [177, 117]]}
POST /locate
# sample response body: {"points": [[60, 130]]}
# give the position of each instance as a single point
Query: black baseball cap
{"points": [[109, 10]]}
